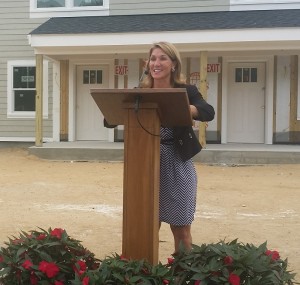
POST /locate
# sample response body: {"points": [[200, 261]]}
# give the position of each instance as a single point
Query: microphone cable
{"points": [[136, 110]]}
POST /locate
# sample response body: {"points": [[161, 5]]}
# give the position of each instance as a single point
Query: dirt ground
{"points": [[252, 203]]}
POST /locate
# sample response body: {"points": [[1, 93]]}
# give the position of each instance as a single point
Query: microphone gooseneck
{"points": [[145, 72]]}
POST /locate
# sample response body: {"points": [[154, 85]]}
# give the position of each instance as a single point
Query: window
{"points": [[21, 89], [24, 88], [68, 8], [62, 3], [50, 3], [78, 3], [246, 74], [92, 77]]}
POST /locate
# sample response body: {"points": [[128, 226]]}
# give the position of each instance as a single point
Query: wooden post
{"points": [[188, 70], [141, 184], [275, 97], [294, 123], [64, 100], [126, 76], [116, 80], [219, 103], [39, 101], [203, 91]]}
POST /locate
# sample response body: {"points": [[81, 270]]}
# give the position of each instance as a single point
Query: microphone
{"points": [[145, 72], [138, 97]]}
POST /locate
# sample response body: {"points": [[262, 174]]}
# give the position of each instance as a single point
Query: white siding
{"points": [[15, 25], [236, 5]]}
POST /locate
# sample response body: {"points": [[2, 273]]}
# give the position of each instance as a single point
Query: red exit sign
{"points": [[214, 67], [121, 69]]}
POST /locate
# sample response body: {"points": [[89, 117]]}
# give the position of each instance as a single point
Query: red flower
{"points": [[274, 254], [234, 279], [170, 260], [85, 280], [43, 266], [57, 232], [33, 279], [41, 237], [27, 264], [80, 267], [49, 268], [52, 270], [1, 258], [165, 281], [57, 282], [197, 282], [228, 260], [122, 257]]}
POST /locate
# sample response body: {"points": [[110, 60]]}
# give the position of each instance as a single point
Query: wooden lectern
{"points": [[142, 112]]}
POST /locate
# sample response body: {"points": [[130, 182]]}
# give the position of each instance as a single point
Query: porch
{"points": [[231, 154]]}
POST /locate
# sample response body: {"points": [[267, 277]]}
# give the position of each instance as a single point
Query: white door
{"points": [[89, 119], [246, 103]]}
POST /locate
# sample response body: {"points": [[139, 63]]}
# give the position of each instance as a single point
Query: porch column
{"points": [[203, 91], [39, 101], [64, 100], [294, 123], [219, 102]]}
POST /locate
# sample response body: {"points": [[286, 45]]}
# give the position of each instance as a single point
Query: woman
{"points": [[178, 178]]}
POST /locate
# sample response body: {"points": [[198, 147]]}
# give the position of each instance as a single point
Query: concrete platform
{"points": [[231, 154]]}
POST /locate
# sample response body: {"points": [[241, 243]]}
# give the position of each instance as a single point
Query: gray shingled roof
{"points": [[171, 22]]}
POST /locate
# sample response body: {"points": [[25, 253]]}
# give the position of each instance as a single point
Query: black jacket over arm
{"points": [[187, 144]]}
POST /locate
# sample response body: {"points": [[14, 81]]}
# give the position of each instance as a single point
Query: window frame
{"points": [[69, 10], [11, 113]]}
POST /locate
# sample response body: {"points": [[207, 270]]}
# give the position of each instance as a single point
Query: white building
{"points": [[252, 49]]}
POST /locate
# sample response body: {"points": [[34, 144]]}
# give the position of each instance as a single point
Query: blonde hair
{"points": [[170, 50]]}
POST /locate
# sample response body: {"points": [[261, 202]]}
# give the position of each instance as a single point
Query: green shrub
{"points": [[118, 270], [52, 257], [231, 263], [44, 257]]}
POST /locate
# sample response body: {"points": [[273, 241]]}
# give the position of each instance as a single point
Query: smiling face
{"points": [[160, 67]]}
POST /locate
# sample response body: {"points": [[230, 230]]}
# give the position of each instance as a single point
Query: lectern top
{"points": [[173, 104]]}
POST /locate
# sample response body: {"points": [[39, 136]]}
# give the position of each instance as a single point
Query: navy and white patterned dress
{"points": [[178, 184]]}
